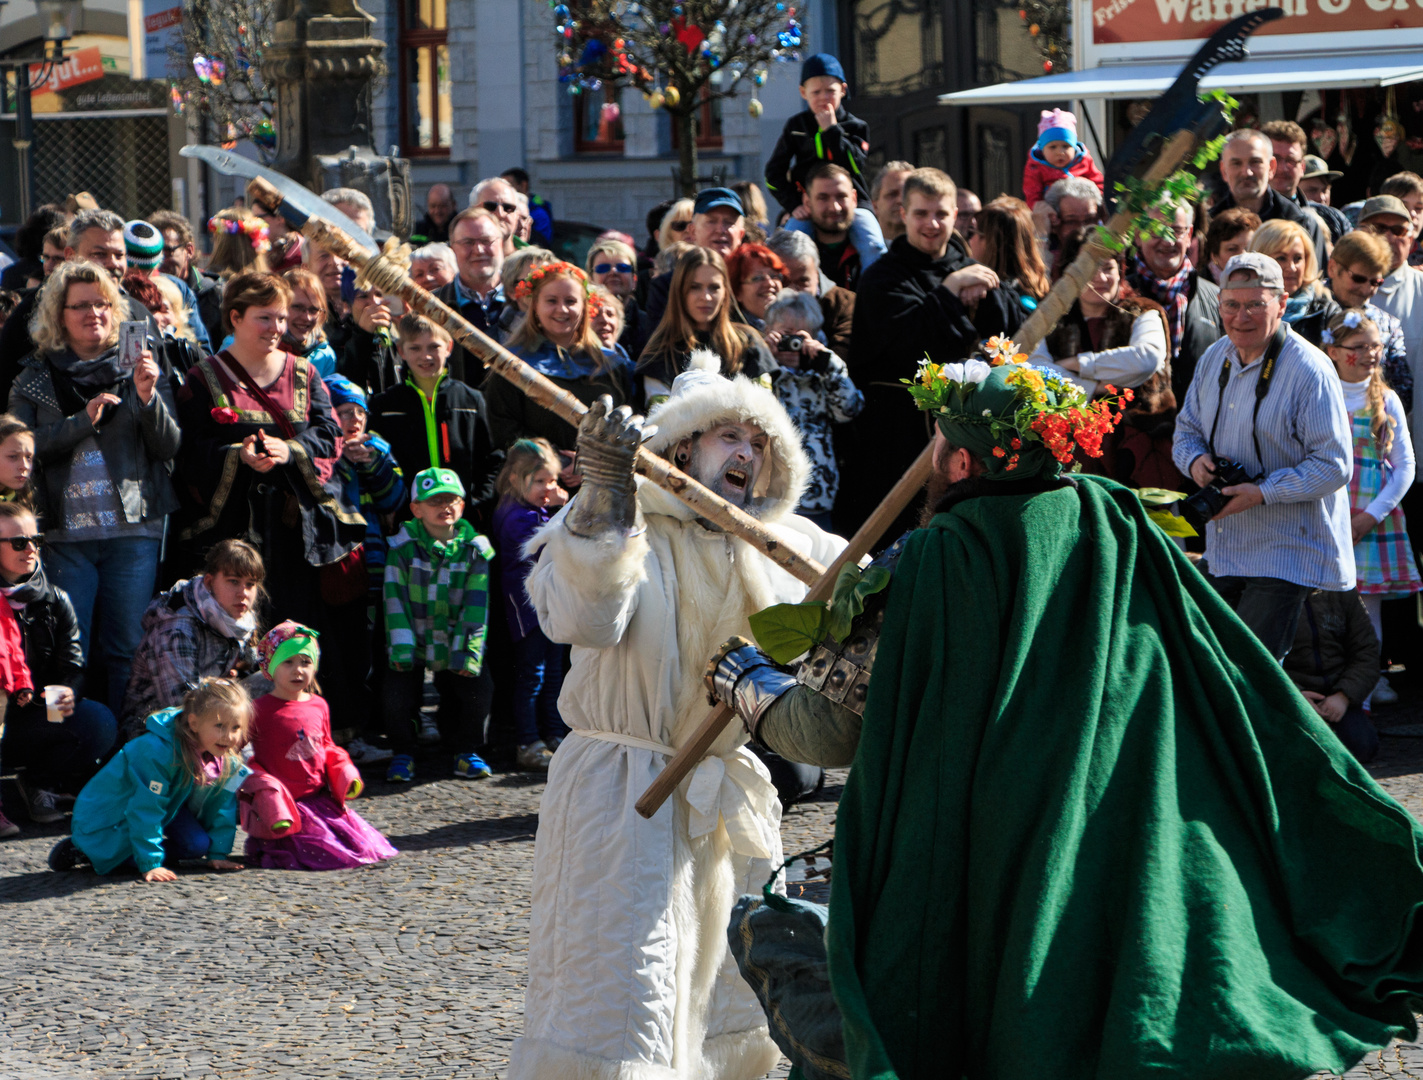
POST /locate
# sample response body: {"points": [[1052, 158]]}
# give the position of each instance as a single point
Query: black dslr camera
{"points": [[1208, 502]]}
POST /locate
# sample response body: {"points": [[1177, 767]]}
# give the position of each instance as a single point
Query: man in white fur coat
{"points": [[629, 974]]}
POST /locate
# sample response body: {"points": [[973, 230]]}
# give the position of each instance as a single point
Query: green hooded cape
{"points": [[1092, 831]]}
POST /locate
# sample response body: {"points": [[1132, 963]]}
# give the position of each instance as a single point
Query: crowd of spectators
{"points": [[278, 405]]}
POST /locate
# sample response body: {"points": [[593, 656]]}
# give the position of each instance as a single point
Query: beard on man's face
{"points": [[729, 478]]}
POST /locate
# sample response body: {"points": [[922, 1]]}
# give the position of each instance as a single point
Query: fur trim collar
{"points": [[704, 401]]}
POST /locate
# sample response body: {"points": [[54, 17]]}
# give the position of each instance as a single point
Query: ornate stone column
{"points": [[322, 62]]}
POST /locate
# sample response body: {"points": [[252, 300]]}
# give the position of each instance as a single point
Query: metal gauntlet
{"points": [[608, 439], [744, 679]]}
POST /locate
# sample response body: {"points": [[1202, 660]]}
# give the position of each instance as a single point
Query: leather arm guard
{"points": [[608, 439], [745, 680]]}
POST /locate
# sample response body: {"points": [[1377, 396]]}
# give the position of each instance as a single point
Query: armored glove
{"points": [[608, 439], [744, 679]]}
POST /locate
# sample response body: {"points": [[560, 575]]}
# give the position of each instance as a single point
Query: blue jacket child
{"points": [[123, 811]]}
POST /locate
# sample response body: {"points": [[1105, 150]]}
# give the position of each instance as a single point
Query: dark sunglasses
{"points": [[494, 207], [22, 543], [1396, 230], [608, 268], [678, 226], [1364, 279]]}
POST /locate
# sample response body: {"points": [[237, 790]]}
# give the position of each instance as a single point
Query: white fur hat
{"points": [[702, 397]]}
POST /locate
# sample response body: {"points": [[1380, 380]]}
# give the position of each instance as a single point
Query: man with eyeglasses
{"points": [[1401, 291], [1248, 166], [477, 237], [496, 196], [1357, 267], [1288, 141], [1163, 272], [540, 210], [1069, 204], [1265, 398]]}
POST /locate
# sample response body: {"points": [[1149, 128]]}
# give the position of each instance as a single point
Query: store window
{"points": [[427, 113], [598, 121]]}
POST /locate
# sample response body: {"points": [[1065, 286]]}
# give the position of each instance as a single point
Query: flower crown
{"points": [[255, 229], [1048, 408], [537, 274]]}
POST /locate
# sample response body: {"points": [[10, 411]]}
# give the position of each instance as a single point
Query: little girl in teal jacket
{"points": [[172, 790]]}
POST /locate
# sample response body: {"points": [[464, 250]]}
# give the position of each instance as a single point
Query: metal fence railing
{"points": [[122, 162]]}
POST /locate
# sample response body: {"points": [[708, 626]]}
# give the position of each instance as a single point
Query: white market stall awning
{"points": [[1316, 72]]}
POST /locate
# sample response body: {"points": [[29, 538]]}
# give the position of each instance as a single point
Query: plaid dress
{"points": [[1384, 558]]}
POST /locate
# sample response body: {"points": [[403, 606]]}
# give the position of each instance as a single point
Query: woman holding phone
{"points": [[103, 438]]}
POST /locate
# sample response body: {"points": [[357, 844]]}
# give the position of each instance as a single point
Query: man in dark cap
{"points": [[718, 224]]}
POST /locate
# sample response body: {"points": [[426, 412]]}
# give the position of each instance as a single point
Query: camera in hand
{"points": [[1208, 502], [793, 344]]}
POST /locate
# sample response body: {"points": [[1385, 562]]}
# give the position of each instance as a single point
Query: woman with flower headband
{"points": [[240, 242], [556, 339], [1087, 809], [259, 443]]}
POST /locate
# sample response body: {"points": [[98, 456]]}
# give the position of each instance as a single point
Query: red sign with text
{"points": [[84, 66], [1120, 21]]}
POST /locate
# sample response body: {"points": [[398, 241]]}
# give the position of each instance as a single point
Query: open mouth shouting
{"points": [[737, 479]]}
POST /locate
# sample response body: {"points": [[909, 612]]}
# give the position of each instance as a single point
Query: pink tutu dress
{"points": [[291, 741]]}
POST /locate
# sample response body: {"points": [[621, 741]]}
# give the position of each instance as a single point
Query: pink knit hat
{"points": [[1058, 118]]}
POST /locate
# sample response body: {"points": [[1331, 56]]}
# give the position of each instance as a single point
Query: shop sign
{"points": [[84, 66], [162, 36], [1123, 21]]}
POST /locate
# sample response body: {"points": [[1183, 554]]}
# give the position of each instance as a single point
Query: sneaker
{"points": [[1383, 693], [429, 733], [42, 806], [65, 856], [471, 767], [534, 756], [401, 771], [7, 828], [363, 753]]}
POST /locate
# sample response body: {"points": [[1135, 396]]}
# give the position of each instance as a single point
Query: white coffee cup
{"points": [[53, 695]]}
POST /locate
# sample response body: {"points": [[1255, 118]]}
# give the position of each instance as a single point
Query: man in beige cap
{"points": [[1264, 398], [1317, 179], [1401, 294]]}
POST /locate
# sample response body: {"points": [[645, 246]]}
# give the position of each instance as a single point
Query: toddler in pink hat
{"points": [[1056, 154]]}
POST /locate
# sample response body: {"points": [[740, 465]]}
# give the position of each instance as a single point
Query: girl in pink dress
{"points": [[291, 744]]}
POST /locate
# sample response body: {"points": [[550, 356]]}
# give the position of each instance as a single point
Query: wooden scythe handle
{"points": [[391, 278], [1054, 306]]}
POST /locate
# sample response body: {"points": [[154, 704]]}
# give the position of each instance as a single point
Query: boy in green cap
{"points": [[436, 617]]}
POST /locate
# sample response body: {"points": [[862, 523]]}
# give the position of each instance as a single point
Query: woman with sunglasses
{"points": [[1357, 267], [613, 265], [50, 760], [675, 224], [104, 438], [1308, 304]]}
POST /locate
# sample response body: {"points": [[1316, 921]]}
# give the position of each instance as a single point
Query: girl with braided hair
{"points": [[1383, 464]]}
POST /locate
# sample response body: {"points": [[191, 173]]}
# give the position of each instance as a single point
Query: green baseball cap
{"points": [[432, 482]]}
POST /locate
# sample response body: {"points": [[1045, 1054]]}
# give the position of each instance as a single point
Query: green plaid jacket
{"points": [[437, 599]]}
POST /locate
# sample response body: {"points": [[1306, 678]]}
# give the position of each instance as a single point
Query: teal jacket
{"points": [[124, 809]]}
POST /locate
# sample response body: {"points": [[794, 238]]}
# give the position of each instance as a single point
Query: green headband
{"points": [[296, 645]]}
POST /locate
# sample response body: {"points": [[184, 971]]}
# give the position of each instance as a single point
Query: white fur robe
{"points": [[629, 973]]}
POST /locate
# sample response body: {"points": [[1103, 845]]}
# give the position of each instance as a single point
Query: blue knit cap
{"points": [[821, 63], [344, 392]]}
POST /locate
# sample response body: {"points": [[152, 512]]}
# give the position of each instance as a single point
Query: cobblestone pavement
{"points": [[413, 968]]}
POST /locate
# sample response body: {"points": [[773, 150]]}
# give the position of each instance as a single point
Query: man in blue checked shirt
{"points": [[1264, 397]]}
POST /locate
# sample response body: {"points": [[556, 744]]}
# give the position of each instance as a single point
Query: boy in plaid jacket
{"points": [[436, 617]]}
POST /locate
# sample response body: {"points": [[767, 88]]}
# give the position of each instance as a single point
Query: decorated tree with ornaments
{"points": [[1048, 23], [677, 54], [219, 63]]}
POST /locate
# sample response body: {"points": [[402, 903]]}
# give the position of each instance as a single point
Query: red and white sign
{"points": [[84, 66], [1117, 22], [163, 19]]}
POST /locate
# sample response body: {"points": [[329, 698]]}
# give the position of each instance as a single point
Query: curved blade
{"points": [[302, 198], [1180, 107]]}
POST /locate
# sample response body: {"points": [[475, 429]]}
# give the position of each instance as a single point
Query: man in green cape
{"points": [[1091, 829]]}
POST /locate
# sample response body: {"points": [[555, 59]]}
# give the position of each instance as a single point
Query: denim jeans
{"points": [[183, 838], [1358, 734], [539, 668], [58, 757], [463, 717], [118, 576], [1269, 606], [866, 237]]}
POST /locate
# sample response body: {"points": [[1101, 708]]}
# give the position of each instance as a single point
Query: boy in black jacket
{"points": [[824, 133], [435, 421]]}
